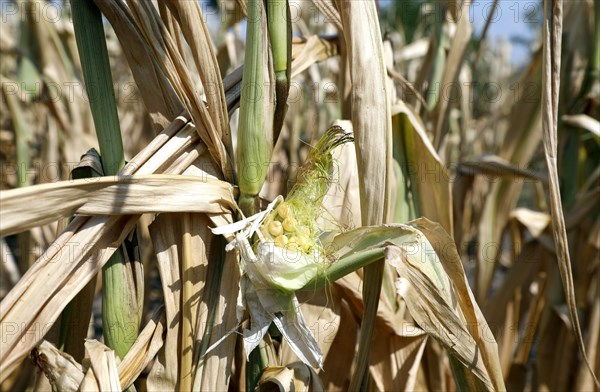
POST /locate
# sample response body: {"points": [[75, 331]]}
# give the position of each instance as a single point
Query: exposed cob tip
{"points": [[292, 225]]}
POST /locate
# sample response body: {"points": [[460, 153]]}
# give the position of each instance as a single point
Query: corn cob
{"points": [[292, 225]]}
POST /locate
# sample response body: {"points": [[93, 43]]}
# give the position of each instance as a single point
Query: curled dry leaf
{"points": [[314, 49], [535, 222], [292, 377], [583, 121], [431, 299], [64, 373], [434, 286]]}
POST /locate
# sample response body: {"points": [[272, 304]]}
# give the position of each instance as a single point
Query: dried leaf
{"points": [[439, 297], [371, 120], [194, 29], [552, 30], [146, 70], [520, 142], [535, 222], [494, 166], [144, 350], [182, 252], [395, 359], [101, 373], [37, 205], [456, 53], [442, 304], [59, 274], [429, 179], [583, 121], [311, 50], [64, 373], [293, 377], [67, 266]]}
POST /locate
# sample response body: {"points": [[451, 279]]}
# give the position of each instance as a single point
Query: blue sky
{"points": [[512, 19]]}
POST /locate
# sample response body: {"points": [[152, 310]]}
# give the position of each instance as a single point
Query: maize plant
{"points": [[289, 197]]}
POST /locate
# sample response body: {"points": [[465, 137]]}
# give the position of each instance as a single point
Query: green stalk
{"points": [[255, 366], [343, 267], [121, 305], [253, 149], [280, 35], [22, 132], [438, 65], [277, 11], [29, 62], [91, 44]]}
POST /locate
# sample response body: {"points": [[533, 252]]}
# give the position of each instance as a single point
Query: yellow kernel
{"points": [[275, 228], [289, 224], [281, 241], [304, 231], [284, 210], [302, 242], [298, 243], [293, 243]]}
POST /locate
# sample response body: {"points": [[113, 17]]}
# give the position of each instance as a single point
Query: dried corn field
{"points": [[298, 195]]}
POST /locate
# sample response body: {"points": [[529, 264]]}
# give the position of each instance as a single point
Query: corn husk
{"points": [[274, 270]]}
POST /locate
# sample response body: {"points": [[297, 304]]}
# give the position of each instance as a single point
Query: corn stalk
{"points": [[122, 294]]}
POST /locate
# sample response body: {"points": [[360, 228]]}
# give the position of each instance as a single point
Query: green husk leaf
{"points": [[280, 35], [254, 136]]}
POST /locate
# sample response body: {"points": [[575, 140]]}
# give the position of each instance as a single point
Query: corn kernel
{"points": [[289, 224], [304, 231], [298, 243], [275, 228], [293, 243], [281, 241], [302, 242], [284, 210]]}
